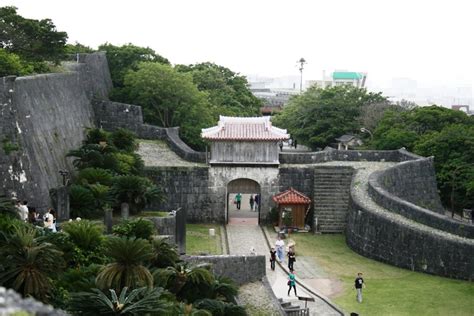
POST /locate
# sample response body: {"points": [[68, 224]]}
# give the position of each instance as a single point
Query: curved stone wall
{"points": [[409, 189], [390, 232]]}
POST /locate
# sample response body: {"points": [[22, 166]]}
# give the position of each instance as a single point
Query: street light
{"points": [[365, 130], [302, 61]]}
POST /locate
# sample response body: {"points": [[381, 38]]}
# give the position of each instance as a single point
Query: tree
{"points": [[227, 90], [453, 151], [121, 60], [169, 99], [136, 191], [185, 282], [406, 127], [28, 264], [141, 301], [33, 40], [129, 255], [12, 65], [318, 116]]}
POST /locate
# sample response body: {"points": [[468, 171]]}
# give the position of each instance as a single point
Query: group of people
{"points": [[30, 215], [254, 201], [278, 253], [291, 143]]}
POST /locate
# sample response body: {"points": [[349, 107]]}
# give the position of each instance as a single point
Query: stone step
{"points": [[330, 209], [285, 304]]}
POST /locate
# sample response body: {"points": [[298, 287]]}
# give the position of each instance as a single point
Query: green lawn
{"points": [[389, 290], [199, 242]]}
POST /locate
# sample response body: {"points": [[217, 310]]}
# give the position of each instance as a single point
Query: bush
{"points": [[124, 140], [82, 202], [273, 216], [134, 190], [94, 176], [12, 65], [138, 228], [84, 234]]}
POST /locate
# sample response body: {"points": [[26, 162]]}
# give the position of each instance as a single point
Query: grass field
{"points": [[389, 290], [199, 242]]}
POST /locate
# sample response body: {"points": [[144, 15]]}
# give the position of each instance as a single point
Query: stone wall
{"points": [[164, 225], [393, 239], [346, 155], [220, 176], [46, 116], [409, 189], [112, 115], [241, 269], [186, 188]]}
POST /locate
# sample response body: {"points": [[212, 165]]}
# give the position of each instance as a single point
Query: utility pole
{"points": [[302, 61]]}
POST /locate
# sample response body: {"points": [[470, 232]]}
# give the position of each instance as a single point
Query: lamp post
{"points": [[302, 61], [365, 130]]}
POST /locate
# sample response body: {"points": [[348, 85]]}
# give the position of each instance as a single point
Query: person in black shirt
{"points": [[272, 258], [291, 258], [359, 283]]}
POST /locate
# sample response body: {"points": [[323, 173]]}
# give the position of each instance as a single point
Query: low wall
{"points": [[112, 115], [393, 239], [409, 189], [164, 225], [346, 155], [241, 269]]}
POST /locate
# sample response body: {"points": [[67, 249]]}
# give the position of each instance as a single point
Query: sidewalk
{"points": [[242, 237]]}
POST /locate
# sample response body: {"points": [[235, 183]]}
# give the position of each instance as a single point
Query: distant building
{"points": [[339, 78], [345, 142], [463, 108]]}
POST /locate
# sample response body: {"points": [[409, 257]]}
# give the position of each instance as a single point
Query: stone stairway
{"points": [[331, 198], [293, 310]]}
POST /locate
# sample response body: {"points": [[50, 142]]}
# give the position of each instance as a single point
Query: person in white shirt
{"points": [[24, 211], [49, 220], [280, 248]]}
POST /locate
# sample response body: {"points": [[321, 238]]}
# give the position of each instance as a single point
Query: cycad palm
{"points": [[182, 280], [138, 302], [128, 267], [28, 263]]}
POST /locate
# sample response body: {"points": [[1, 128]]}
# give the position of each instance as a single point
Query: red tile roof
{"points": [[291, 196], [245, 128]]}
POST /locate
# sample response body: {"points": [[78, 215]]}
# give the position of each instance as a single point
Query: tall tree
{"points": [[316, 117], [33, 40], [453, 151], [121, 60], [227, 90], [170, 98]]}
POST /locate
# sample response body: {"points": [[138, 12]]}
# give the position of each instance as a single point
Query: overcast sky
{"points": [[430, 41]]}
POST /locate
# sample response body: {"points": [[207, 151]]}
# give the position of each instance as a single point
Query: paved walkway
{"points": [[242, 237]]}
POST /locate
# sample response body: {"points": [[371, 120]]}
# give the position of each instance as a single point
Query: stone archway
{"points": [[246, 187]]}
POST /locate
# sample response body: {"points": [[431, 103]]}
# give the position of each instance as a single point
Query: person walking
{"points": [[359, 283], [272, 258], [256, 201], [280, 144], [251, 201], [291, 282], [295, 143], [291, 258], [238, 200], [280, 249]]}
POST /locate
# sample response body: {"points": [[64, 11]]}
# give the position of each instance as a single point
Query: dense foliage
{"points": [[110, 173], [447, 135], [227, 90], [87, 273], [318, 116], [33, 41]]}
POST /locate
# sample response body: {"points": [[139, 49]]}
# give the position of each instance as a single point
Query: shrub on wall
{"points": [[138, 228]]}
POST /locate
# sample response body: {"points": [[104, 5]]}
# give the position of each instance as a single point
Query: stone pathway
{"points": [[158, 153], [242, 238]]}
